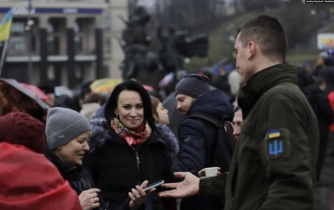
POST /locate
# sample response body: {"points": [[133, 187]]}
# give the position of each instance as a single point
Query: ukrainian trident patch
{"points": [[274, 144]]}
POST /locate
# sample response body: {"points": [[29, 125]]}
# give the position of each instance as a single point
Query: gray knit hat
{"points": [[64, 125], [192, 85]]}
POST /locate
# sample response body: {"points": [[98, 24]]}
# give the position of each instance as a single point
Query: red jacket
{"points": [[29, 181], [331, 101]]}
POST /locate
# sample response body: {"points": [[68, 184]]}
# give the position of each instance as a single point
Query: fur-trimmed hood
{"points": [[168, 139], [101, 134]]}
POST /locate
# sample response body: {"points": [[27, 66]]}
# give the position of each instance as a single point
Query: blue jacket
{"points": [[197, 136]]}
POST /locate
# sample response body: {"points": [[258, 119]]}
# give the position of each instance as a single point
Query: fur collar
{"points": [[101, 134], [168, 139]]}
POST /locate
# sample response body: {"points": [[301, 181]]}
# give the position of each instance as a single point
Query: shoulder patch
{"points": [[275, 144]]}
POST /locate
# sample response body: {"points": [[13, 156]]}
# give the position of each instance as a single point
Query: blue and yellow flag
{"points": [[5, 25], [274, 133]]}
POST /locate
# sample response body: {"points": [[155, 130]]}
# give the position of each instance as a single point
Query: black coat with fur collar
{"points": [[116, 167]]}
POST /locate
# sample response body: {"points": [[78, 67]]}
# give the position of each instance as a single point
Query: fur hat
{"points": [[192, 85], [64, 125]]}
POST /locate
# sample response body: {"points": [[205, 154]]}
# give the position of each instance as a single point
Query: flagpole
{"points": [[3, 55], [29, 43]]}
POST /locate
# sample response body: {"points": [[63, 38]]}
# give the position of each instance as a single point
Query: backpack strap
{"points": [[209, 119], [230, 137], [228, 126]]}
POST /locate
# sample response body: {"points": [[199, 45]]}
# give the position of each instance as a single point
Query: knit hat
{"points": [[64, 125], [192, 85], [30, 181], [21, 128]]}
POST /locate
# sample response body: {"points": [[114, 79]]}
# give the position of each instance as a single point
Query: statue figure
{"points": [[139, 62], [179, 44], [135, 33], [146, 66]]}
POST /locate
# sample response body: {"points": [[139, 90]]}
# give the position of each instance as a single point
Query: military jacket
{"points": [[274, 163]]}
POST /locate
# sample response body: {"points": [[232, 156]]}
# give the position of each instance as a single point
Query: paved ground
{"points": [[325, 195]]}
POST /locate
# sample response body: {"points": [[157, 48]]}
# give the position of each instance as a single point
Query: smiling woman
{"points": [[66, 135], [128, 148]]}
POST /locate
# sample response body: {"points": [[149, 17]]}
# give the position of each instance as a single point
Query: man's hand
{"points": [[188, 187]]}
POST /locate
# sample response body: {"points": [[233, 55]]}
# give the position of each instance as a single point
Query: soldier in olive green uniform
{"points": [[274, 163]]}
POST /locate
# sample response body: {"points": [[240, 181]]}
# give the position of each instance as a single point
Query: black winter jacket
{"points": [[78, 177], [116, 167]]}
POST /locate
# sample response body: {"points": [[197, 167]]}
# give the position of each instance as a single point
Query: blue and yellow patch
{"points": [[274, 133], [275, 144]]}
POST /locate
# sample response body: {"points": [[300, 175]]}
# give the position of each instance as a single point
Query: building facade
{"points": [[63, 42]]}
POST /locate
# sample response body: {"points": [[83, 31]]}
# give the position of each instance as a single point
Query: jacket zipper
{"points": [[160, 206], [137, 157], [138, 161]]}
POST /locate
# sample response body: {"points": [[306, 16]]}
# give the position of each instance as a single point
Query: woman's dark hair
{"points": [[130, 85]]}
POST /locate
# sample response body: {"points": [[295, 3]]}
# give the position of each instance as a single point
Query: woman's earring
{"points": [[117, 116], [58, 148]]}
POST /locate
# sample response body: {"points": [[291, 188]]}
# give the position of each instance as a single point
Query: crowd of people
{"points": [[101, 153]]}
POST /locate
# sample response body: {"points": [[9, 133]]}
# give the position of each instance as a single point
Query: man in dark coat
{"points": [[327, 72], [220, 81], [197, 136], [274, 162], [305, 78], [322, 109]]}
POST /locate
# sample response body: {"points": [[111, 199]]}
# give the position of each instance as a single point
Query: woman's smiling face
{"points": [[130, 109], [74, 151]]}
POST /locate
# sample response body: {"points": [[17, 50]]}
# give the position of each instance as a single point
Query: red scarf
{"points": [[134, 137]]}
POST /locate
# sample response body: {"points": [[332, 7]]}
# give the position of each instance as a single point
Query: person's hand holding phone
{"points": [[138, 195]]}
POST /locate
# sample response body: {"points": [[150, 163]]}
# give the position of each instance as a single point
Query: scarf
{"points": [[134, 137]]}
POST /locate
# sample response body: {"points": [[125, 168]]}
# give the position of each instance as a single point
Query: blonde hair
{"points": [[155, 103]]}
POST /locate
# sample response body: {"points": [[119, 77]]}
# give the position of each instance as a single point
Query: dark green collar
{"points": [[262, 81]]}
